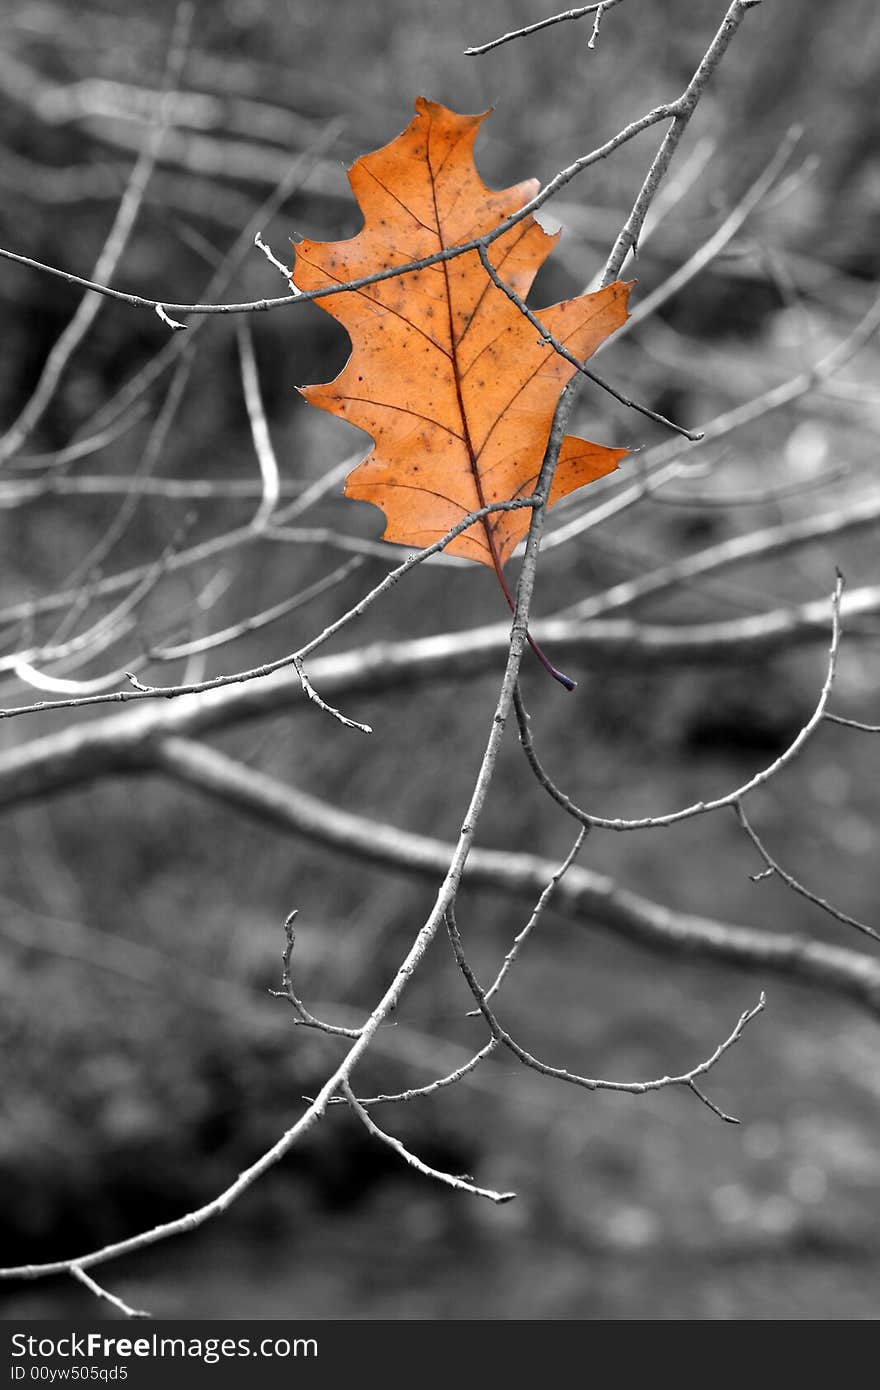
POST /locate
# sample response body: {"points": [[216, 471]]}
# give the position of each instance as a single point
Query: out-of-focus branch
{"points": [[20, 491], [751, 546], [115, 113], [263, 448], [293, 659], [777, 396], [705, 254], [653, 462], [76, 756], [628, 237], [853, 723], [679, 112], [117, 239]]}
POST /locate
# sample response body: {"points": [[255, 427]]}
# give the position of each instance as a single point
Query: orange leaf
{"points": [[446, 375]]}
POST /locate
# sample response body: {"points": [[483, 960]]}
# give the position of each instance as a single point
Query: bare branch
{"points": [[678, 111], [50, 763], [751, 546], [288, 992], [597, 10], [701, 808], [315, 698], [597, 22], [18, 492], [627, 240], [294, 659], [257, 621], [638, 1088], [449, 1079], [454, 868], [705, 254], [99, 1292], [461, 1183], [853, 723], [522, 936], [562, 350], [587, 897], [775, 868]]}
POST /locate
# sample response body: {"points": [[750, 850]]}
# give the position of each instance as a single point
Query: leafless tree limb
{"points": [[462, 1184], [546, 896], [93, 1287], [628, 238], [596, 10], [452, 877], [584, 895], [679, 112], [639, 1088], [775, 868], [700, 808]]}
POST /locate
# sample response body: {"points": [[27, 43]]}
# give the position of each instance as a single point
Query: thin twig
{"points": [[774, 867], [288, 991], [256, 622], [545, 24], [315, 698], [853, 723], [600, 11], [99, 1292], [584, 896], [586, 1082], [678, 111], [751, 546], [547, 337], [455, 867], [546, 896], [628, 237], [294, 659], [462, 1184], [701, 808], [419, 1092], [705, 254]]}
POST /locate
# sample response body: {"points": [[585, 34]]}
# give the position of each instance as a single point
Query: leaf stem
{"points": [[545, 661]]}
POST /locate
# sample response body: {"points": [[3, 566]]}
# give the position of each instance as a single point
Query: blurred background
{"points": [[142, 1062]]}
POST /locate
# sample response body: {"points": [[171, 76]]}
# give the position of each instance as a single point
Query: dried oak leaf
{"points": [[446, 375]]}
